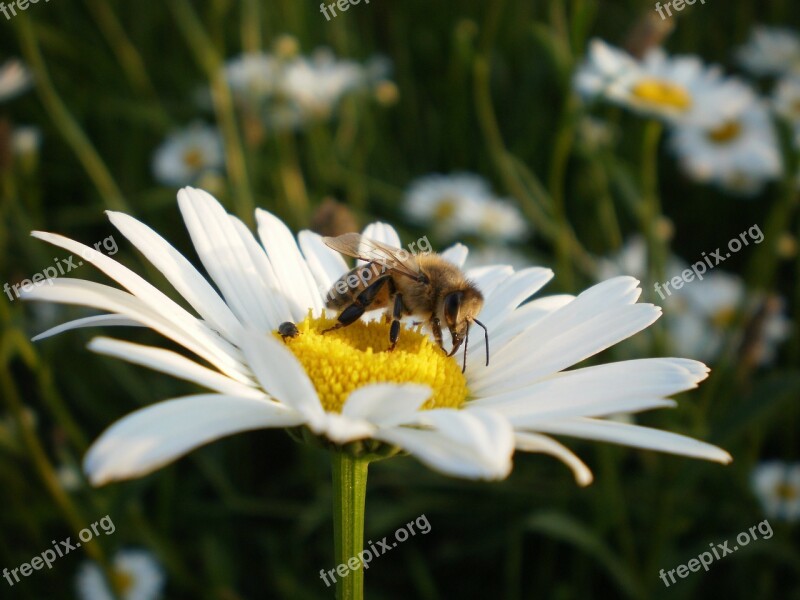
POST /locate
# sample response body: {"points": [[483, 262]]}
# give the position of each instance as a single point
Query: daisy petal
{"points": [[386, 405], [296, 280], [456, 254], [156, 435], [173, 364], [531, 442], [179, 272], [98, 321], [636, 436], [282, 376], [326, 265], [225, 256]]}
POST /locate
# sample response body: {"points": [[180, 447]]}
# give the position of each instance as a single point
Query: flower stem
{"points": [[349, 493]]}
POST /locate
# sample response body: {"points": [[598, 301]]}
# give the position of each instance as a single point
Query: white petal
{"points": [[98, 321], [296, 280], [282, 376], [488, 278], [179, 272], [599, 390], [384, 233], [448, 454], [147, 293], [172, 363], [326, 265], [531, 442], [225, 256], [386, 404], [512, 292], [103, 297], [636, 436], [156, 435], [456, 254]]}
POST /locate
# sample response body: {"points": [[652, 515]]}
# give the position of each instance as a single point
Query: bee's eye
{"points": [[452, 303]]}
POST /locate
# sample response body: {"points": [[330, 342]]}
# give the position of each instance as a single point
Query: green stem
{"points": [[349, 494]]}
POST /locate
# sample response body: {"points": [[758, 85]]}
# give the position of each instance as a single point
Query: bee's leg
{"points": [[354, 311], [437, 332], [397, 312]]}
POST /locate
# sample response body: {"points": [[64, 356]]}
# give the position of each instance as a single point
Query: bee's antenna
{"points": [[466, 344], [486, 335]]}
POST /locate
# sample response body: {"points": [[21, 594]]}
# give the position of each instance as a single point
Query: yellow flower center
{"points": [[787, 492], [193, 158], [346, 359], [662, 93], [122, 581], [723, 317], [727, 132], [445, 209]]}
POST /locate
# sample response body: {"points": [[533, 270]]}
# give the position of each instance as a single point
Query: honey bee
{"points": [[422, 285]]}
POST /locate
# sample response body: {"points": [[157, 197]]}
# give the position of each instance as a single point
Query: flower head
{"points": [[344, 386], [14, 79], [679, 90], [187, 155], [771, 51], [776, 484], [137, 576], [463, 204]]}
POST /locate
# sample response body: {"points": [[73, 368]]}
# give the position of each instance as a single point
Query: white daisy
{"points": [[786, 100], [25, 140], [771, 51], [739, 155], [318, 83], [186, 155], [138, 576], [776, 484], [15, 79], [678, 89], [252, 76], [463, 204], [343, 386]]}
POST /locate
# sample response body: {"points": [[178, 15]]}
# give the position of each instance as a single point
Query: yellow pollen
{"points": [[727, 132], [662, 93], [122, 582], [784, 491], [193, 158], [723, 317], [445, 209], [346, 359]]}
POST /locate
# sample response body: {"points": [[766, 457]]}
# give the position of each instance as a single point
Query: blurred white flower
{"points": [[137, 574], [25, 140], [776, 484], [463, 204], [771, 51], [15, 78], [69, 477], [740, 155], [188, 154], [285, 90], [680, 89], [786, 100], [252, 76], [318, 83]]}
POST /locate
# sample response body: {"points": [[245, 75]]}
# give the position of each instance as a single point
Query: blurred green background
{"points": [[475, 86]]}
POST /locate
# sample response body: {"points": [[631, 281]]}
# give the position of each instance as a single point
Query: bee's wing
{"points": [[358, 246]]}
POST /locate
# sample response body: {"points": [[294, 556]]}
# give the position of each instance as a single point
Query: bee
{"points": [[422, 285]]}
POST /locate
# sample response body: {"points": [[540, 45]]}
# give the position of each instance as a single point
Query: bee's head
{"points": [[460, 309]]}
